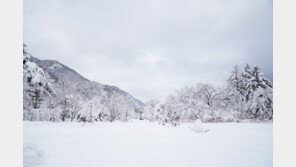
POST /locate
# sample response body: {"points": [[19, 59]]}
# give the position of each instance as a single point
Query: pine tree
{"points": [[36, 98]]}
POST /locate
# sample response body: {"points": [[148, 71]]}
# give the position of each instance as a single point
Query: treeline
{"points": [[246, 98]]}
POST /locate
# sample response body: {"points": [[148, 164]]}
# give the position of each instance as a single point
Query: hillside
{"points": [[60, 93]]}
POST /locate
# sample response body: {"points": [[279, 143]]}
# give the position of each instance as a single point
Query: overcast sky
{"points": [[149, 48]]}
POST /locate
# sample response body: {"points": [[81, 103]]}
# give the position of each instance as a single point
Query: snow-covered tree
{"points": [[36, 87], [254, 90]]}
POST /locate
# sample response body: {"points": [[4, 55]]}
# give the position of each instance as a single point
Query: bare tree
{"points": [[207, 93]]}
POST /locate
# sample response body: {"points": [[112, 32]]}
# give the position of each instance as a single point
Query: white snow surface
{"points": [[146, 144], [198, 127]]}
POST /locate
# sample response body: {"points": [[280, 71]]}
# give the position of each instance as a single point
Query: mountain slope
{"points": [[74, 97], [61, 73]]}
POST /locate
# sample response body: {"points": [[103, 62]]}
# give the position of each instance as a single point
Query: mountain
{"points": [[62, 73], [72, 96]]}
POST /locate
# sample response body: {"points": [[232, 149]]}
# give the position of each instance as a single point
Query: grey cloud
{"points": [[151, 47]]}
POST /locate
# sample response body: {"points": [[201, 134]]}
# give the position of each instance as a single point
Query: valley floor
{"points": [[145, 144]]}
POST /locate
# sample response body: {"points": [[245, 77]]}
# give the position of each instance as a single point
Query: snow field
{"points": [[146, 144]]}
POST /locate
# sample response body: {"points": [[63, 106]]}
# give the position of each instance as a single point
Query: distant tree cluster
{"points": [[247, 97]]}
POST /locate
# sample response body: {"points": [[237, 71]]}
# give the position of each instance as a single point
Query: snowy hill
{"points": [[58, 70], [71, 96], [61, 73]]}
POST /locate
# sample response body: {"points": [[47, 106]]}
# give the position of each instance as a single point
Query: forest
{"points": [[54, 92]]}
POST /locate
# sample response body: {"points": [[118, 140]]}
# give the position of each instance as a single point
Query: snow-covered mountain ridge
{"points": [[61, 72], [53, 91]]}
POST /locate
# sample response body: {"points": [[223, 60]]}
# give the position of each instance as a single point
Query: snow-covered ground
{"points": [[141, 144]]}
